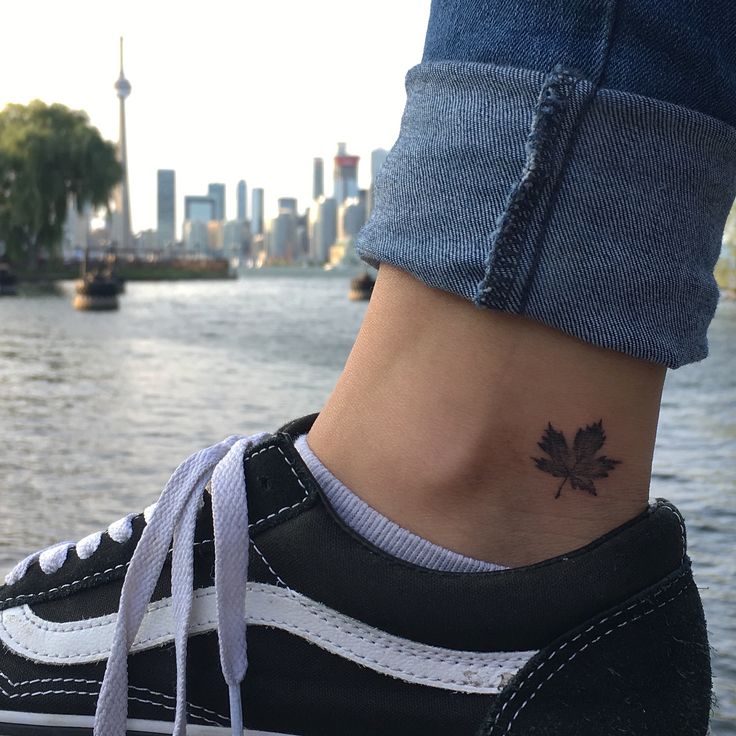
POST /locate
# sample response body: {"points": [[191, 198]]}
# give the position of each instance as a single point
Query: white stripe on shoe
{"points": [[90, 640], [58, 720]]}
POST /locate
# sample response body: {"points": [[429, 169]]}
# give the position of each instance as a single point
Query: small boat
{"points": [[119, 282], [361, 287], [8, 281], [97, 290]]}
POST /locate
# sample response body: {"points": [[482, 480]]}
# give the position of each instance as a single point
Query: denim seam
{"points": [[610, 27], [508, 238], [551, 202], [507, 241]]}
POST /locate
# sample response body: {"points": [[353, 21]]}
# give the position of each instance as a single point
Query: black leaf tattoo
{"points": [[580, 465]]}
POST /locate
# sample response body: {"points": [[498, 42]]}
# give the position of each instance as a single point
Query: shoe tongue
{"points": [[204, 529], [298, 427]]}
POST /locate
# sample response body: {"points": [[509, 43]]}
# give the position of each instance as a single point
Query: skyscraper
{"points": [[199, 209], [323, 235], [242, 201], [350, 218], [121, 229], [378, 158], [346, 174], [216, 192], [318, 178], [166, 207], [288, 204], [257, 212], [283, 242]]}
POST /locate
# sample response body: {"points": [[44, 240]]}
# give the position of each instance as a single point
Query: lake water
{"points": [[97, 409]]}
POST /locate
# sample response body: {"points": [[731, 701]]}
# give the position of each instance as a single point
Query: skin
{"points": [[436, 420]]}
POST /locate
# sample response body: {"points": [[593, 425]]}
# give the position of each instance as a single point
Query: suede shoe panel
{"points": [[642, 669]]}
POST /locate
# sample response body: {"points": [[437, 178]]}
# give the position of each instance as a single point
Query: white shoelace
{"points": [[174, 517]]}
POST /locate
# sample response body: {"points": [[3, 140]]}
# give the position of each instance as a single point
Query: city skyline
{"points": [[212, 204], [259, 100], [320, 232]]}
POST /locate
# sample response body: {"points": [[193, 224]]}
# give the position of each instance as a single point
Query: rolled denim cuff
{"points": [[594, 211]]}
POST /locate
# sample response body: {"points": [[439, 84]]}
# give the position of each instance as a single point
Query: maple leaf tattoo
{"points": [[580, 465]]}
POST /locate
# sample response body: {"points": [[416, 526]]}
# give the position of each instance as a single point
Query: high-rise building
{"points": [[318, 178], [166, 179], [216, 192], [242, 201], [199, 209], [346, 174], [195, 235], [378, 158], [323, 229], [351, 217], [121, 228], [257, 212], [283, 240], [234, 238], [288, 204], [214, 235]]}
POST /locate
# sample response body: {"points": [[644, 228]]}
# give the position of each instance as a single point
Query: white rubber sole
{"points": [[57, 720]]}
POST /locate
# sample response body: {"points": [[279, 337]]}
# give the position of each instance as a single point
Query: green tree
{"points": [[47, 153]]}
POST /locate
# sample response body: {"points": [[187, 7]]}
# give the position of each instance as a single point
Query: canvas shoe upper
{"points": [[342, 638]]}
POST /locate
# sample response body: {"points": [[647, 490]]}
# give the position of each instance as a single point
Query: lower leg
{"points": [[437, 419]]}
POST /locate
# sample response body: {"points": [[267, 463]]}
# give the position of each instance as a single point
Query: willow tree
{"points": [[47, 154]]}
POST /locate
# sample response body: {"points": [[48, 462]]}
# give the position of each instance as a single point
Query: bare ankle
{"points": [[489, 434]]}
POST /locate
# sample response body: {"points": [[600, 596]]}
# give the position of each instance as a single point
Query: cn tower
{"points": [[121, 222]]}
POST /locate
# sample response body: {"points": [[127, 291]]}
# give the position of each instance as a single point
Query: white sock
{"points": [[381, 531]]}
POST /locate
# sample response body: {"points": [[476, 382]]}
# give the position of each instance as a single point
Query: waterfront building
{"points": [[302, 237], [378, 158], [318, 178], [216, 192], [199, 209], [343, 254], [166, 197], [195, 236], [346, 174], [235, 238], [242, 192], [214, 237], [288, 204], [147, 241], [323, 228], [283, 239], [257, 226], [351, 217], [121, 228]]}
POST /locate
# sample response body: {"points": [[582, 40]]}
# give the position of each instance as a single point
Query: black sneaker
{"points": [[342, 638]]}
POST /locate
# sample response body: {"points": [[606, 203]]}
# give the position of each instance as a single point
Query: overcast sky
{"points": [[222, 90]]}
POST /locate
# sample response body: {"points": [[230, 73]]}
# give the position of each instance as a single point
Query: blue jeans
{"points": [[572, 161]]}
